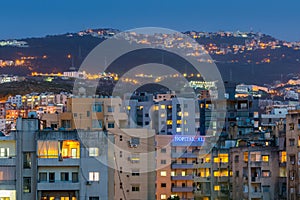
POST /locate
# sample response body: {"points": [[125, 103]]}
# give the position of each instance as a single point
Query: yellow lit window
{"points": [[186, 114], [172, 173], [163, 173], [163, 196], [162, 115], [216, 188], [216, 173], [128, 107], [246, 156], [223, 158], [169, 122], [283, 156], [156, 107], [265, 158], [179, 113], [183, 173], [179, 121], [162, 106], [169, 107]]}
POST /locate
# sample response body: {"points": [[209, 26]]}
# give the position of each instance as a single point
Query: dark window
{"points": [[135, 140], [27, 160], [135, 172], [163, 150], [121, 138], [236, 158], [87, 113], [163, 185], [43, 176], [97, 107], [163, 162], [93, 198], [135, 188], [51, 177], [27, 185], [110, 109], [64, 176], [111, 125], [75, 177], [237, 174]]}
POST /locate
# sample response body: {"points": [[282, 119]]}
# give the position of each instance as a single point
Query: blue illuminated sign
{"points": [[181, 138]]}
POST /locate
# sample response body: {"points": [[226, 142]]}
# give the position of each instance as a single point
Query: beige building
{"points": [[293, 154]]}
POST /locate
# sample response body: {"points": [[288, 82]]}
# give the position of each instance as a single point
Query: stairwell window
{"points": [[93, 176], [93, 151]]}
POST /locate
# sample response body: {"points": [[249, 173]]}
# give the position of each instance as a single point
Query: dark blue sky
{"points": [[28, 18]]}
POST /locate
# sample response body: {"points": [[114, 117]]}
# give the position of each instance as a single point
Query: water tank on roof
{"points": [[32, 114]]}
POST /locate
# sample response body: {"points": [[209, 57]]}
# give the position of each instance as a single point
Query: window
{"points": [[266, 173], [135, 158], [135, 172], [236, 158], [266, 188], [265, 158], [121, 154], [121, 138], [93, 198], [163, 185], [255, 156], [172, 173], [163, 162], [75, 177], [97, 107], [135, 140], [51, 177], [27, 160], [27, 185], [93, 151], [135, 188], [4, 152], [64, 176], [292, 159], [94, 176], [163, 150], [282, 156], [237, 173], [291, 126], [111, 125], [42, 176], [292, 142], [163, 196], [217, 188], [88, 113], [96, 123], [183, 173], [110, 109], [66, 123], [163, 173]]}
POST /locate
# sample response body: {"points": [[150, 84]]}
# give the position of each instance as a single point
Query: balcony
{"points": [[222, 179], [177, 178], [57, 162], [183, 155], [182, 166], [201, 179], [203, 165], [8, 161], [58, 185], [255, 179], [256, 195], [8, 185], [182, 189], [202, 193]]}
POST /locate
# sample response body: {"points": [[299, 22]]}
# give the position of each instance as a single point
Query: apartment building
{"points": [[44, 165], [292, 153]]}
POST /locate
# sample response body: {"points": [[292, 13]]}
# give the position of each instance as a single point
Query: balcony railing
{"points": [[182, 189], [10, 161], [176, 178], [58, 185], [58, 162], [183, 155], [182, 166]]}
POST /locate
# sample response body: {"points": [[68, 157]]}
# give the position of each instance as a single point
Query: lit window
{"points": [[265, 158], [186, 114], [156, 107], [255, 156], [93, 151], [283, 156], [183, 173], [216, 188], [246, 156], [162, 115], [162, 106], [169, 122], [172, 173], [163, 196], [163, 173], [179, 122], [4, 152], [94, 176], [266, 173]]}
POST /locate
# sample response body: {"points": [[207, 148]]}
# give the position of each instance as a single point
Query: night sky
{"points": [[33, 18]]}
